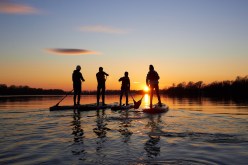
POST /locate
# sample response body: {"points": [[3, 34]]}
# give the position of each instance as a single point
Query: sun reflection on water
{"points": [[146, 99]]}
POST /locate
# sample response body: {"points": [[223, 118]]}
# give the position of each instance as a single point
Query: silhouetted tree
{"points": [[236, 88], [26, 90]]}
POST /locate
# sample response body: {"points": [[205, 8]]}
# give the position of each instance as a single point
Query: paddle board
{"points": [[156, 109], [122, 107], [83, 107]]}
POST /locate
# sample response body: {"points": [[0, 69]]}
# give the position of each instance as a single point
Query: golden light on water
{"points": [[146, 99]]}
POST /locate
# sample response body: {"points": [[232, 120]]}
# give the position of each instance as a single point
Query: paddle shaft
{"points": [[64, 97], [133, 98], [131, 95]]}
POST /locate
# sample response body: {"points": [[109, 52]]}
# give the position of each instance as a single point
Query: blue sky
{"points": [[186, 40]]}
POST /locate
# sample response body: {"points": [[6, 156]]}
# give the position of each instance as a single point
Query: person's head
{"points": [[151, 68], [100, 69], [78, 67], [126, 74]]}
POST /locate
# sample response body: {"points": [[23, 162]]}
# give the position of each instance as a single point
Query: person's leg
{"points": [[74, 93], [74, 98], [126, 93], [98, 94], [79, 95], [158, 95], [78, 98], [103, 95], [151, 96], [121, 97]]}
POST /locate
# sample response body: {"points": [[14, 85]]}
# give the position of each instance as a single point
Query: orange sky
{"points": [[41, 42]]}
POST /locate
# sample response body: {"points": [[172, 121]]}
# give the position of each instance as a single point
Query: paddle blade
{"points": [[137, 104]]}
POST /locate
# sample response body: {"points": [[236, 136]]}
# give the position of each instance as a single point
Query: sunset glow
{"points": [[42, 42], [146, 89]]}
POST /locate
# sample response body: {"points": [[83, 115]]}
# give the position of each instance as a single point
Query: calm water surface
{"points": [[193, 131]]}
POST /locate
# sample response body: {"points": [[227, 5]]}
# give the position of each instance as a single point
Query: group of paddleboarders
{"points": [[151, 81]]}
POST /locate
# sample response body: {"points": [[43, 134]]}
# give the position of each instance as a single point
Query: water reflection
{"points": [[101, 129], [188, 137], [78, 134], [124, 125], [152, 144], [146, 100]]}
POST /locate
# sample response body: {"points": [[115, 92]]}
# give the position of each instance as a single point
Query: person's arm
{"points": [[97, 77], [120, 79], [81, 77], [106, 74], [158, 76]]}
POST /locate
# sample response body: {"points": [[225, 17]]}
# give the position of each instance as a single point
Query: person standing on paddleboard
{"points": [[100, 76], [77, 79], [125, 87], [152, 82]]}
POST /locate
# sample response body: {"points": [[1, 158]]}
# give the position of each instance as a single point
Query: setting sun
{"points": [[146, 89]]}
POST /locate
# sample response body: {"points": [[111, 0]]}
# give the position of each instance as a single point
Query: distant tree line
{"points": [[112, 92], [26, 90], [237, 87]]}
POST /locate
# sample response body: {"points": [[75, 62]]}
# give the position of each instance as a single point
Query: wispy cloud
{"points": [[71, 51], [103, 29], [14, 8]]}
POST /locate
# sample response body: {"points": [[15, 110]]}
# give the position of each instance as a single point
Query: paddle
{"points": [[136, 103], [63, 98]]}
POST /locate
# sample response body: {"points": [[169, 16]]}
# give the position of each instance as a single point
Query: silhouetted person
{"points": [[77, 79], [152, 81], [125, 87], [100, 76]]}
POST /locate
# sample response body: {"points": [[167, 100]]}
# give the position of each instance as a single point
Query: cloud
{"points": [[103, 29], [136, 82], [13, 8], [70, 51]]}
